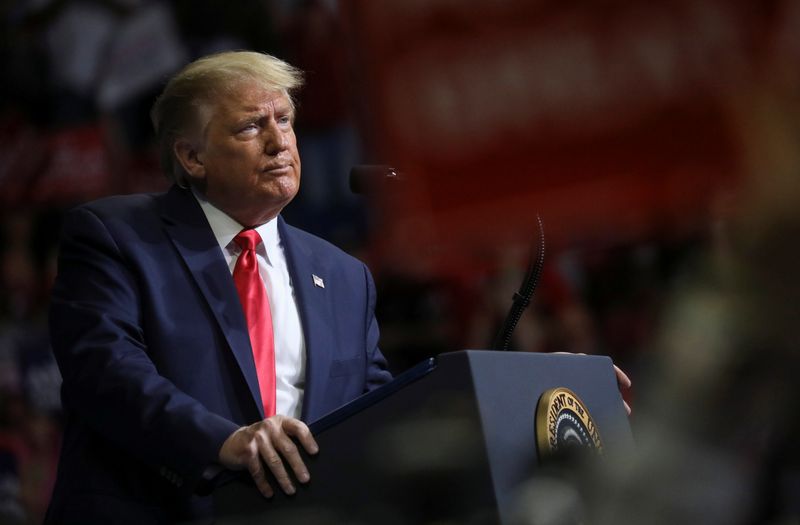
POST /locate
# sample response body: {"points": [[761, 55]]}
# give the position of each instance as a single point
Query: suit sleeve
{"points": [[109, 382], [377, 372]]}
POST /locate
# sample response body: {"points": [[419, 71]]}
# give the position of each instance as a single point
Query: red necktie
{"points": [[259, 318]]}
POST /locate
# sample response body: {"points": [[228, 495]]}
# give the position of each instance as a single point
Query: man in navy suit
{"points": [[161, 390]]}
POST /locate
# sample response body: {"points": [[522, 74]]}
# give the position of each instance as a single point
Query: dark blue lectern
{"points": [[451, 441]]}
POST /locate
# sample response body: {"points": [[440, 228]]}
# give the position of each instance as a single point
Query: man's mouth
{"points": [[278, 169]]}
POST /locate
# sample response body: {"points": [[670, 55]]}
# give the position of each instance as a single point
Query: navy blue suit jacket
{"points": [[152, 344]]}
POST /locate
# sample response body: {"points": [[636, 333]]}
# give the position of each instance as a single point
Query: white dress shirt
{"points": [[290, 347]]}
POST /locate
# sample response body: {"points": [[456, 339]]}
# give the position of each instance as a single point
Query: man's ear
{"points": [[190, 158]]}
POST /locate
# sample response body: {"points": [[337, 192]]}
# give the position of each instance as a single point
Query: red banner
{"points": [[612, 121]]}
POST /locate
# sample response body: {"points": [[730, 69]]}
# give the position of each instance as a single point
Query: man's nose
{"points": [[275, 139]]}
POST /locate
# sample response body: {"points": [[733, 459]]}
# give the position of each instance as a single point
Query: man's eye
{"points": [[285, 120]]}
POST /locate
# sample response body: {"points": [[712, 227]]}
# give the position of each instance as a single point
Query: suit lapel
{"points": [[314, 305], [188, 228]]}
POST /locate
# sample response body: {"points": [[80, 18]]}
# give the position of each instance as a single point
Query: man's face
{"points": [[248, 159]]}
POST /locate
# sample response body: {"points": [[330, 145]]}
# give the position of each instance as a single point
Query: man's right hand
{"points": [[269, 442]]}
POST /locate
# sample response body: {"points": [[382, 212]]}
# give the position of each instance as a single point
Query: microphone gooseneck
{"points": [[368, 178], [522, 298]]}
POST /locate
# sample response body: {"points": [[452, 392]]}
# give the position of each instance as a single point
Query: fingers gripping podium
{"points": [[453, 439]]}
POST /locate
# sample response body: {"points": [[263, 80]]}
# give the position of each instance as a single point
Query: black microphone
{"points": [[522, 298], [365, 178]]}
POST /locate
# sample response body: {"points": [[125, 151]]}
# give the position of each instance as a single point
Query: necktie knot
{"points": [[248, 239]]}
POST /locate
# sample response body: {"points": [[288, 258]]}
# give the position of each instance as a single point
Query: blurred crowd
{"points": [[79, 78]]}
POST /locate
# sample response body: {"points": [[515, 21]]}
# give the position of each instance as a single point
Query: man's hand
{"points": [[624, 383], [269, 442]]}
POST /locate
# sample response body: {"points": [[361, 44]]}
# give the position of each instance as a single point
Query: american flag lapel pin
{"points": [[318, 281]]}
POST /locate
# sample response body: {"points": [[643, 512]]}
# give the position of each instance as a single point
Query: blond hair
{"points": [[184, 104]]}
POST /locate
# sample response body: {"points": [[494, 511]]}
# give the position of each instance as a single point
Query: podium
{"points": [[451, 440]]}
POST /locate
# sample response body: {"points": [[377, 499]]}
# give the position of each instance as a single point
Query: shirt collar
{"points": [[225, 228]]}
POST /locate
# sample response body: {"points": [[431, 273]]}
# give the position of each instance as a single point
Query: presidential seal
{"points": [[564, 423]]}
